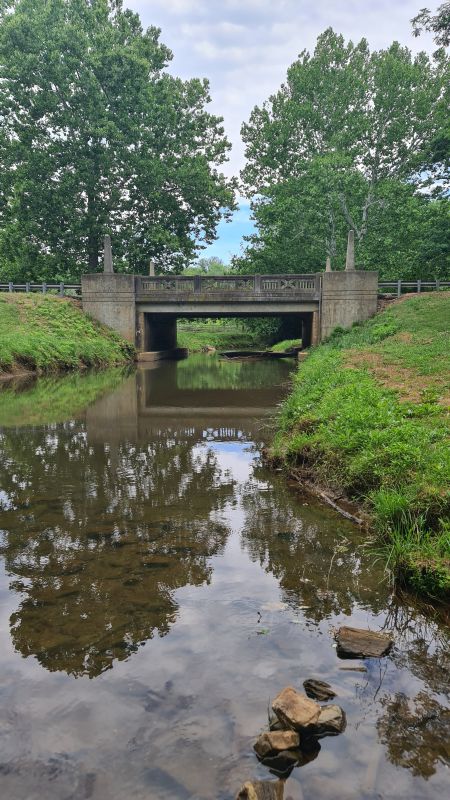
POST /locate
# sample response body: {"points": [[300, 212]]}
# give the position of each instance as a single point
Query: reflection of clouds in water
{"points": [[232, 458]]}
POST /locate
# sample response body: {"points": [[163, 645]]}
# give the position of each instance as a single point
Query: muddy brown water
{"points": [[159, 586]]}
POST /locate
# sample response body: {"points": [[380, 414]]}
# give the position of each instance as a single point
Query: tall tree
{"points": [[438, 24], [359, 118], [95, 137]]}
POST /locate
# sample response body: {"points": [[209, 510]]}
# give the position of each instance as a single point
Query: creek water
{"points": [[159, 586]]}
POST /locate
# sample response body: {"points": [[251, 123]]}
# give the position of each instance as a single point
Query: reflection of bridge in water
{"points": [[161, 401]]}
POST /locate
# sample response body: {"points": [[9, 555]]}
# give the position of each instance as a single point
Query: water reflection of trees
{"points": [[314, 556], [97, 538], [416, 732]]}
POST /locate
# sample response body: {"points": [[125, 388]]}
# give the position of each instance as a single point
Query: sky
{"points": [[244, 48]]}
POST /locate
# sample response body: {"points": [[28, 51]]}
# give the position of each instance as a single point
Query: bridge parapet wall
{"points": [[111, 298], [347, 297]]}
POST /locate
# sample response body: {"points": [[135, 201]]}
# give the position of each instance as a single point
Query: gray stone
{"points": [[361, 643], [261, 790], [275, 742], [332, 720], [350, 259], [295, 710], [107, 255], [328, 264], [318, 690]]}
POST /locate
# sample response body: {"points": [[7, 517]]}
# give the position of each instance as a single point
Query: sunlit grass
{"points": [[380, 434], [47, 333]]}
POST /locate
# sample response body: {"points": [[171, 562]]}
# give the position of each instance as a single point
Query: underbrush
{"points": [[46, 333], [386, 448]]}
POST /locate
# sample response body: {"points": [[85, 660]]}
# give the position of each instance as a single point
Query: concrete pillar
{"points": [[107, 255], [111, 299], [347, 297], [328, 264], [140, 330], [151, 269], [350, 260], [315, 329], [306, 330]]}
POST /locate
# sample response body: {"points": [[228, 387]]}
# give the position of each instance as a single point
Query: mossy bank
{"points": [[46, 334], [368, 418]]}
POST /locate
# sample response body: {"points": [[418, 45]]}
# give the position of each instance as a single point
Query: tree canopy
{"points": [[96, 137], [343, 144]]}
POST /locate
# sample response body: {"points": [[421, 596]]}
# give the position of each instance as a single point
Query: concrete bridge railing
{"points": [[274, 285]]}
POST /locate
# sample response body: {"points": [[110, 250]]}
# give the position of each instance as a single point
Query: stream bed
{"points": [[159, 586]]}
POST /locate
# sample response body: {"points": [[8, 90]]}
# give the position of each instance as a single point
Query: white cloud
{"points": [[244, 47]]}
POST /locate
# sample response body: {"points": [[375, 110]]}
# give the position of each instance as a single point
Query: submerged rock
{"points": [[282, 763], [318, 690], [275, 742], [261, 790], [332, 720], [361, 643], [295, 710]]}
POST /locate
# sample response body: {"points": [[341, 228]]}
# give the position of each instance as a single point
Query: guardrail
{"points": [[400, 287], [209, 284], [61, 289]]}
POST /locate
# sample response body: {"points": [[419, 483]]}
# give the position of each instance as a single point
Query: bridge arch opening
{"points": [[158, 331]]}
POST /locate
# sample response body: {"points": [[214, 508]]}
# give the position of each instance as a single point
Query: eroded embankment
{"points": [[46, 333], [367, 419]]}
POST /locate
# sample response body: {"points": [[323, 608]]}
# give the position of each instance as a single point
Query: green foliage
{"points": [[360, 437], [221, 334], [96, 137], [47, 333], [208, 266], [332, 150]]}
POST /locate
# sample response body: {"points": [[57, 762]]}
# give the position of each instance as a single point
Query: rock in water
{"points": [[318, 690], [282, 763], [331, 721], [295, 710], [269, 744], [261, 790], [360, 643]]}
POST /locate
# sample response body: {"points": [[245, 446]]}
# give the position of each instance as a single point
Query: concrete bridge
{"points": [[145, 309]]}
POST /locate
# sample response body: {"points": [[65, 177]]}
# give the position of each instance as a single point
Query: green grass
{"points": [[286, 344], [368, 416], [46, 333], [220, 334]]}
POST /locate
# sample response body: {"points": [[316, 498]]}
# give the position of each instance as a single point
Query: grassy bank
{"points": [[222, 334], [46, 333], [368, 417]]}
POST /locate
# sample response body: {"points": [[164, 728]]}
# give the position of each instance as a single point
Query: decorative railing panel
{"points": [[282, 285], [230, 284], [178, 284], [226, 283]]}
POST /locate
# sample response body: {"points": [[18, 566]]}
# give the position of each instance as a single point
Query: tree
{"points": [[96, 137], [437, 156], [357, 119], [439, 24]]}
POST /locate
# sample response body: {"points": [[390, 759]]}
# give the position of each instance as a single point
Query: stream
{"points": [[159, 586]]}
